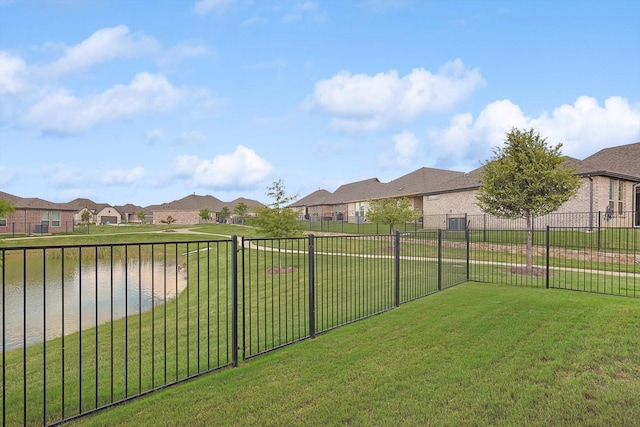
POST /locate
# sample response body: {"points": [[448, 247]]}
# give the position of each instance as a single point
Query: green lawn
{"points": [[476, 354]]}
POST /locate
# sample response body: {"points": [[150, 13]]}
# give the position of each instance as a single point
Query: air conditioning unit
{"points": [[456, 224]]}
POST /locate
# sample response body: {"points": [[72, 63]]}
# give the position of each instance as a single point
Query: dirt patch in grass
{"points": [[280, 270]]}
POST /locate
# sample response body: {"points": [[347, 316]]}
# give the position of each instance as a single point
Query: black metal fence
{"points": [[86, 327], [573, 258], [596, 220]]}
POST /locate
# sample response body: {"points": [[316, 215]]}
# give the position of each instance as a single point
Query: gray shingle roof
{"points": [[622, 161], [249, 202], [420, 181], [192, 202], [367, 189], [466, 181], [33, 203], [129, 209], [414, 183], [316, 198], [473, 180]]}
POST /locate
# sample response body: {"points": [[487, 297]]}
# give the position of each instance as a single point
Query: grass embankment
{"points": [[108, 234], [473, 355]]}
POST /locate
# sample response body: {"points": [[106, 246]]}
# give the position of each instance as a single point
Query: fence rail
{"points": [[86, 327]]}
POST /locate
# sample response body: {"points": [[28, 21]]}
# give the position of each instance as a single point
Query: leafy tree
{"points": [[224, 213], [524, 179], [276, 220], [6, 208], [391, 212], [140, 215], [86, 215], [205, 214], [241, 211]]}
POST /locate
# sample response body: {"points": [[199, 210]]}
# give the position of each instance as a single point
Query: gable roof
{"points": [[473, 180], [249, 202], [192, 202], [622, 162], [80, 203], [420, 181], [367, 189], [33, 203], [129, 208], [316, 198], [465, 182], [414, 183]]}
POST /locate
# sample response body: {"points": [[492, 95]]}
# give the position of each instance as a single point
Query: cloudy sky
{"points": [[145, 102]]}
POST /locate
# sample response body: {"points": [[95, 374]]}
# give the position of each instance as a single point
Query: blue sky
{"points": [[146, 102]]}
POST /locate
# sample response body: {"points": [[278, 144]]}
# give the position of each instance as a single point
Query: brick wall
{"points": [[25, 221], [181, 217]]}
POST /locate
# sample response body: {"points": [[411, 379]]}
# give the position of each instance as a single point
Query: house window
{"points": [[620, 197], [3, 222], [55, 219], [44, 219], [616, 195]]}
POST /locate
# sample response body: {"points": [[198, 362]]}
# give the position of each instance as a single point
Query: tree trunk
{"points": [[529, 244]]}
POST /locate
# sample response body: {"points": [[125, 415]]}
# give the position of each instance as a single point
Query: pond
{"points": [[46, 295]]}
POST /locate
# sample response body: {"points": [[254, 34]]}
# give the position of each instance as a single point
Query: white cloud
{"points": [[362, 102], [586, 126], [405, 148], [104, 45], [583, 127], [202, 7], [190, 138], [123, 177], [240, 169], [153, 135], [65, 178], [60, 112], [384, 5], [304, 10], [254, 20], [6, 175], [183, 51], [12, 73]]}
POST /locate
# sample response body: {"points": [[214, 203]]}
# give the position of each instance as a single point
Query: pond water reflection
{"points": [[50, 295]]}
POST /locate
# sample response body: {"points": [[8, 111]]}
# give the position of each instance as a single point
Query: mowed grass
{"points": [[475, 354]]}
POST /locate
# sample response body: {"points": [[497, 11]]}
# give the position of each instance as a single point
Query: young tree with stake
{"points": [[524, 179]]}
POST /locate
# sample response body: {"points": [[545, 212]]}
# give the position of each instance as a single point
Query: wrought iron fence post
{"points": [[467, 238], [312, 292], [234, 300], [244, 304], [548, 247], [397, 269], [599, 227], [439, 259], [484, 228]]}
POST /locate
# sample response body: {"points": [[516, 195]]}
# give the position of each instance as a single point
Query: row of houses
{"points": [[38, 216], [610, 183]]}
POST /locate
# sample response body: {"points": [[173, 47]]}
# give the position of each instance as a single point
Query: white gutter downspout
{"points": [[636, 219], [590, 202]]}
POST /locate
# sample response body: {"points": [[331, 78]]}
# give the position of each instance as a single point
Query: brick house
{"points": [[129, 213], [351, 201], [187, 210], [36, 216], [99, 213], [610, 179]]}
